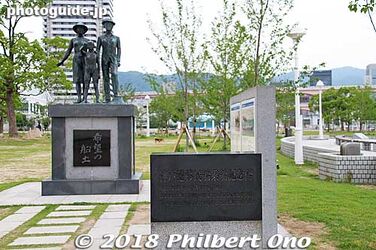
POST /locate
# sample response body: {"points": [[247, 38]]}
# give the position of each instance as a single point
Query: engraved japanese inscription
{"points": [[91, 148], [209, 187]]}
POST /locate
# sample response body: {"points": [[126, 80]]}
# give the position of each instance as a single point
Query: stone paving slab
{"points": [[114, 215], [52, 229], [76, 220], [117, 208], [30, 194], [140, 229], [30, 210], [72, 207], [45, 248], [15, 220], [70, 213], [40, 240], [106, 225]]}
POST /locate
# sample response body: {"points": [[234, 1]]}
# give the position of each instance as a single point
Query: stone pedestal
{"points": [[92, 150]]}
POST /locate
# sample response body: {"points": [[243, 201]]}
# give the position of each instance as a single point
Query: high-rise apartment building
{"points": [[370, 78], [62, 26]]}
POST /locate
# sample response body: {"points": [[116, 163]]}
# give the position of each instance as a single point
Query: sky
{"points": [[334, 35]]}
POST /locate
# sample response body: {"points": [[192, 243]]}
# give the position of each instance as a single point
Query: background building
{"points": [[370, 78], [323, 75], [62, 26]]}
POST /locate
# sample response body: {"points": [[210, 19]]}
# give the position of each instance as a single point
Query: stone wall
{"points": [[354, 169], [309, 153]]}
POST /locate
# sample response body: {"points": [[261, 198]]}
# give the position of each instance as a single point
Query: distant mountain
{"points": [[341, 76], [348, 76], [137, 79]]}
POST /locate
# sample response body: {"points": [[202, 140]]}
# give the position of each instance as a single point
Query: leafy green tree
{"points": [[364, 106], [267, 31], [127, 91], [25, 65], [365, 7], [178, 46], [285, 105], [163, 108], [226, 53]]}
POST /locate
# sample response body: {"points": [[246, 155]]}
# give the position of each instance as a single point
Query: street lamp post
{"points": [[320, 85], [298, 156], [147, 99]]}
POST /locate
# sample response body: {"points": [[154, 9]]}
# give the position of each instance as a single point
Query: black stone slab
{"points": [[91, 110], [91, 148], [58, 149], [205, 187], [88, 187]]}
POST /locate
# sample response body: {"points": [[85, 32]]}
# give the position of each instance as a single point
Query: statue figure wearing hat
{"points": [[75, 45], [91, 62], [111, 54]]}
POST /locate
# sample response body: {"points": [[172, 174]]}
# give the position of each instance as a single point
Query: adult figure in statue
{"points": [[109, 45], [75, 45]]}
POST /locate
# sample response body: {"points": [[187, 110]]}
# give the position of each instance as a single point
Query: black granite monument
{"points": [[205, 187]]}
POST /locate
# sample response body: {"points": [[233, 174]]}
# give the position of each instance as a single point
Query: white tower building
{"points": [[62, 26]]}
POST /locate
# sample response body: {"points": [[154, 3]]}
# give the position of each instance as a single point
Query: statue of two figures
{"points": [[86, 66]]}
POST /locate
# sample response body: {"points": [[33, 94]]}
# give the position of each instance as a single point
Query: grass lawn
{"points": [[347, 211]]}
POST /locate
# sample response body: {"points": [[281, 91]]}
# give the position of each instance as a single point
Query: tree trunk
{"points": [[342, 126], [11, 114], [194, 137], [186, 114], [361, 126], [1, 124], [348, 127], [224, 135]]}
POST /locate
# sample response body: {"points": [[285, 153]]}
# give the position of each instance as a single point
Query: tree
{"points": [[127, 91], [163, 108], [267, 31], [364, 106], [177, 45], [25, 65], [285, 105], [226, 54], [365, 7]]}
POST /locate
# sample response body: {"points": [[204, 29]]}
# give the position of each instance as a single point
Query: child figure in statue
{"points": [[91, 61]]}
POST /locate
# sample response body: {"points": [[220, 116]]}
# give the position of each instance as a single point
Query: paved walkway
{"points": [[329, 144], [30, 194]]}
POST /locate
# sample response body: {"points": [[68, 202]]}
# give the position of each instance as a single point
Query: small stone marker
{"points": [[350, 148]]}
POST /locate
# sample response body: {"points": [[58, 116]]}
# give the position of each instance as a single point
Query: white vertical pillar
{"points": [[29, 108], [298, 118], [147, 120], [321, 131]]}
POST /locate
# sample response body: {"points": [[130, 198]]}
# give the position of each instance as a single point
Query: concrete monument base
{"points": [[92, 150], [86, 187], [224, 229]]}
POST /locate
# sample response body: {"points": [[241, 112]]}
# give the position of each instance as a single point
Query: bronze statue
{"points": [[78, 63], [91, 62], [111, 54]]}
